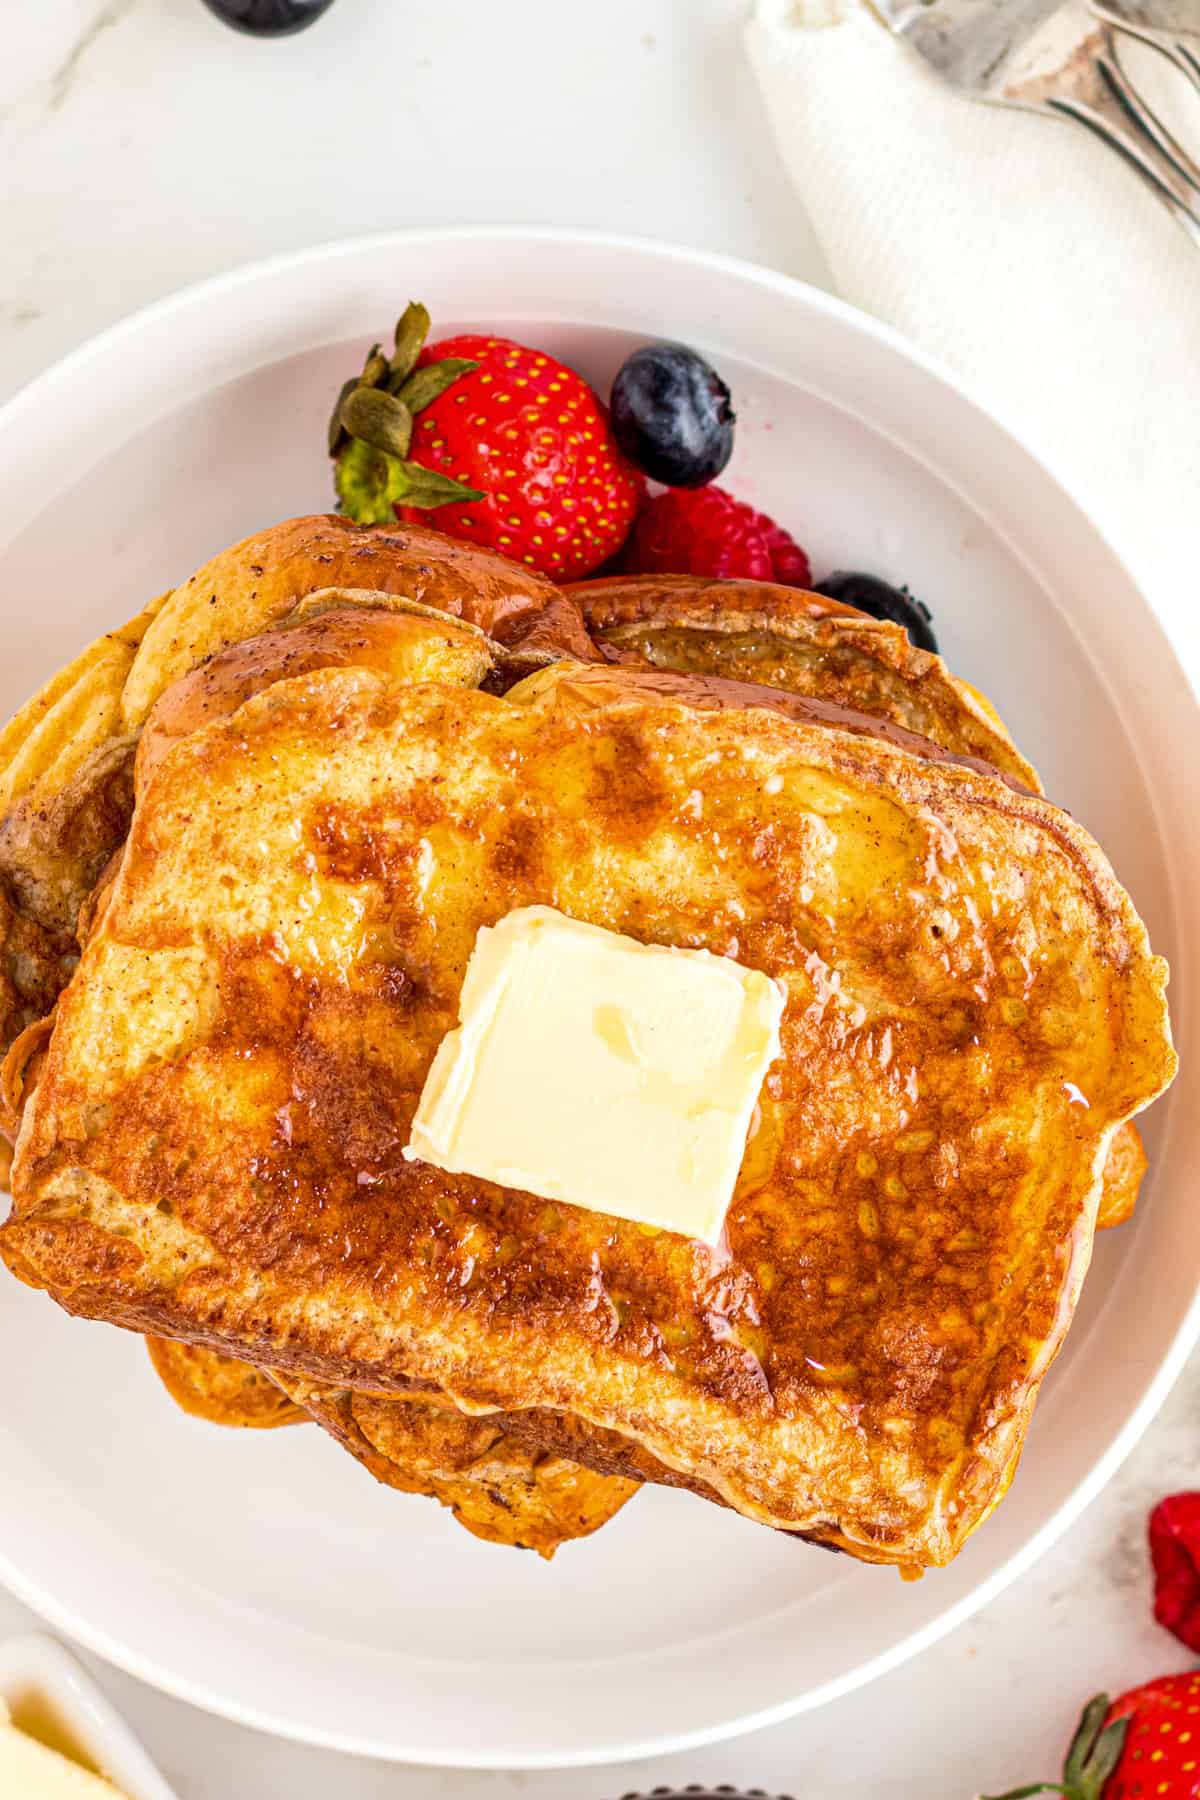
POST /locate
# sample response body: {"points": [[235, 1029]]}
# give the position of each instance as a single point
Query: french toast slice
{"points": [[213, 1149]]}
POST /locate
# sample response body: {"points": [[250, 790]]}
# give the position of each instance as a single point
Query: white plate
{"points": [[46, 1691], [265, 1576]]}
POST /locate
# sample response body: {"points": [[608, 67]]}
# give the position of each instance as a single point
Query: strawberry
{"points": [[1146, 1743], [705, 531], [1175, 1553], [512, 447]]}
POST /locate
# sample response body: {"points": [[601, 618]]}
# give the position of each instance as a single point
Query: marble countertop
{"points": [[144, 147]]}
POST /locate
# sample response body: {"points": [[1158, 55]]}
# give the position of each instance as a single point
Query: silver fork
{"points": [[1064, 57]]}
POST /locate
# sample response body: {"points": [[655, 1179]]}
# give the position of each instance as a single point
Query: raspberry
{"points": [[789, 564], [1175, 1553], [705, 531]]}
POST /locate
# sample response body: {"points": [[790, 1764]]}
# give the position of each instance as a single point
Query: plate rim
{"points": [[68, 370]]}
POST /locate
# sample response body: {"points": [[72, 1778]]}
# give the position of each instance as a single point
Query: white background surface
{"points": [[142, 147]]}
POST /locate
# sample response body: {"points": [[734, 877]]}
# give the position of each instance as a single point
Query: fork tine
{"points": [[1127, 149], [1144, 116], [1180, 54], [1185, 58]]}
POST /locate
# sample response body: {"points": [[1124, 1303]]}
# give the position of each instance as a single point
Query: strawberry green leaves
{"points": [[379, 419], [371, 483], [1095, 1751], [370, 432]]}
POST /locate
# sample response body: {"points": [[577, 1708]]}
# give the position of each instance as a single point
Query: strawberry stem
{"points": [[1035, 1787], [371, 484]]}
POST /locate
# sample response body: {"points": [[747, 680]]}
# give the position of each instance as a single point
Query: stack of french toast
{"points": [[247, 844]]}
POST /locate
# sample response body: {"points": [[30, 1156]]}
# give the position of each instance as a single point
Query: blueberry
{"points": [[671, 415], [883, 601], [268, 18]]}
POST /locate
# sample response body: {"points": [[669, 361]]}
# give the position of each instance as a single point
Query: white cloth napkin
{"points": [[1023, 255]]}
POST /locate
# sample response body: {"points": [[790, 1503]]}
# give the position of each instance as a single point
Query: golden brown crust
{"points": [[220, 1390], [406, 645], [803, 643], [20, 1070], [611, 601], [65, 794], [498, 1488], [54, 847], [594, 683], [1123, 1173], [73, 715], [35, 966], [916, 1208], [605, 1451], [252, 585]]}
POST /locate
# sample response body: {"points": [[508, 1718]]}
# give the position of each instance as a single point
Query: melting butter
{"points": [[600, 1072]]}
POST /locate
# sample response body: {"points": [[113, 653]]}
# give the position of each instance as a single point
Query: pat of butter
{"points": [[32, 1771], [591, 1069]]}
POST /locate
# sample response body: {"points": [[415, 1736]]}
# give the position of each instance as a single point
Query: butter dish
{"points": [[52, 1699]]}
